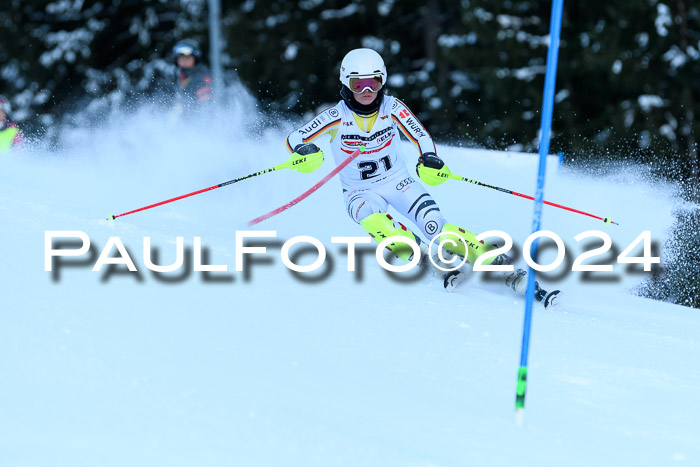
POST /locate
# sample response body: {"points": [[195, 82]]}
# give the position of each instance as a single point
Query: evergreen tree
{"points": [[66, 56]]}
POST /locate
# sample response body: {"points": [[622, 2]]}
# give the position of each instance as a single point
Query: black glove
{"points": [[306, 148], [430, 160]]}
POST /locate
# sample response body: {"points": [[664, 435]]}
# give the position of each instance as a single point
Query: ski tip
{"points": [[111, 217], [520, 417], [551, 300]]}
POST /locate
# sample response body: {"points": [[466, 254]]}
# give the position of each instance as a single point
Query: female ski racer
{"points": [[377, 178]]}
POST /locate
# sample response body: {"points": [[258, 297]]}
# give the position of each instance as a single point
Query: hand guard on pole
{"points": [[431, 169], [310, 157]]}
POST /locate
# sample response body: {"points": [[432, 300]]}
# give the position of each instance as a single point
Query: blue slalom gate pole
{"points": [[545, 130]]}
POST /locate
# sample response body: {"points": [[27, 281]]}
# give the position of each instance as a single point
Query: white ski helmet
{"points": [[362, 63], [5, 105]]}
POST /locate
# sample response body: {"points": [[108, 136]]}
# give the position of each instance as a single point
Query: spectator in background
{"points": [[193, 79], [10, 135]]}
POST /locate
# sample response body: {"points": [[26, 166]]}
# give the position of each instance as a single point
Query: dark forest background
{"points": [[628, 85]]}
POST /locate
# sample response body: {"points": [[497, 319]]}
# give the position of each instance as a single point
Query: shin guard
{"points": [[469, 247], [381, 225]]}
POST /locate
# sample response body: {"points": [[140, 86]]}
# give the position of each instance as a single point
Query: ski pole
{"points": [[437, 176], [302, 196], [300, 163]]}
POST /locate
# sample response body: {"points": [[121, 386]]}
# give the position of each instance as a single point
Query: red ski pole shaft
{"points": [[112, 217], [302, 196], [475, 182]]}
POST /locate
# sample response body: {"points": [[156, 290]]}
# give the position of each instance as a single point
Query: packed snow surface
{"points": [[264, 367]]}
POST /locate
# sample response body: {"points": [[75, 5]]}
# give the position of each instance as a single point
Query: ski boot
{"points": [[517, 281], [451, 278]]}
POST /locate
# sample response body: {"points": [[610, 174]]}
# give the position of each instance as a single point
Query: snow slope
{"points": [[114, 368]]}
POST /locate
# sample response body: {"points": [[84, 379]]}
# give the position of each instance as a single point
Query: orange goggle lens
{"points": [[358, 85]]}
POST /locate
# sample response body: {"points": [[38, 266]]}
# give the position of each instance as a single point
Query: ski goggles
{"points": [[359, 85], [183, 50]]}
